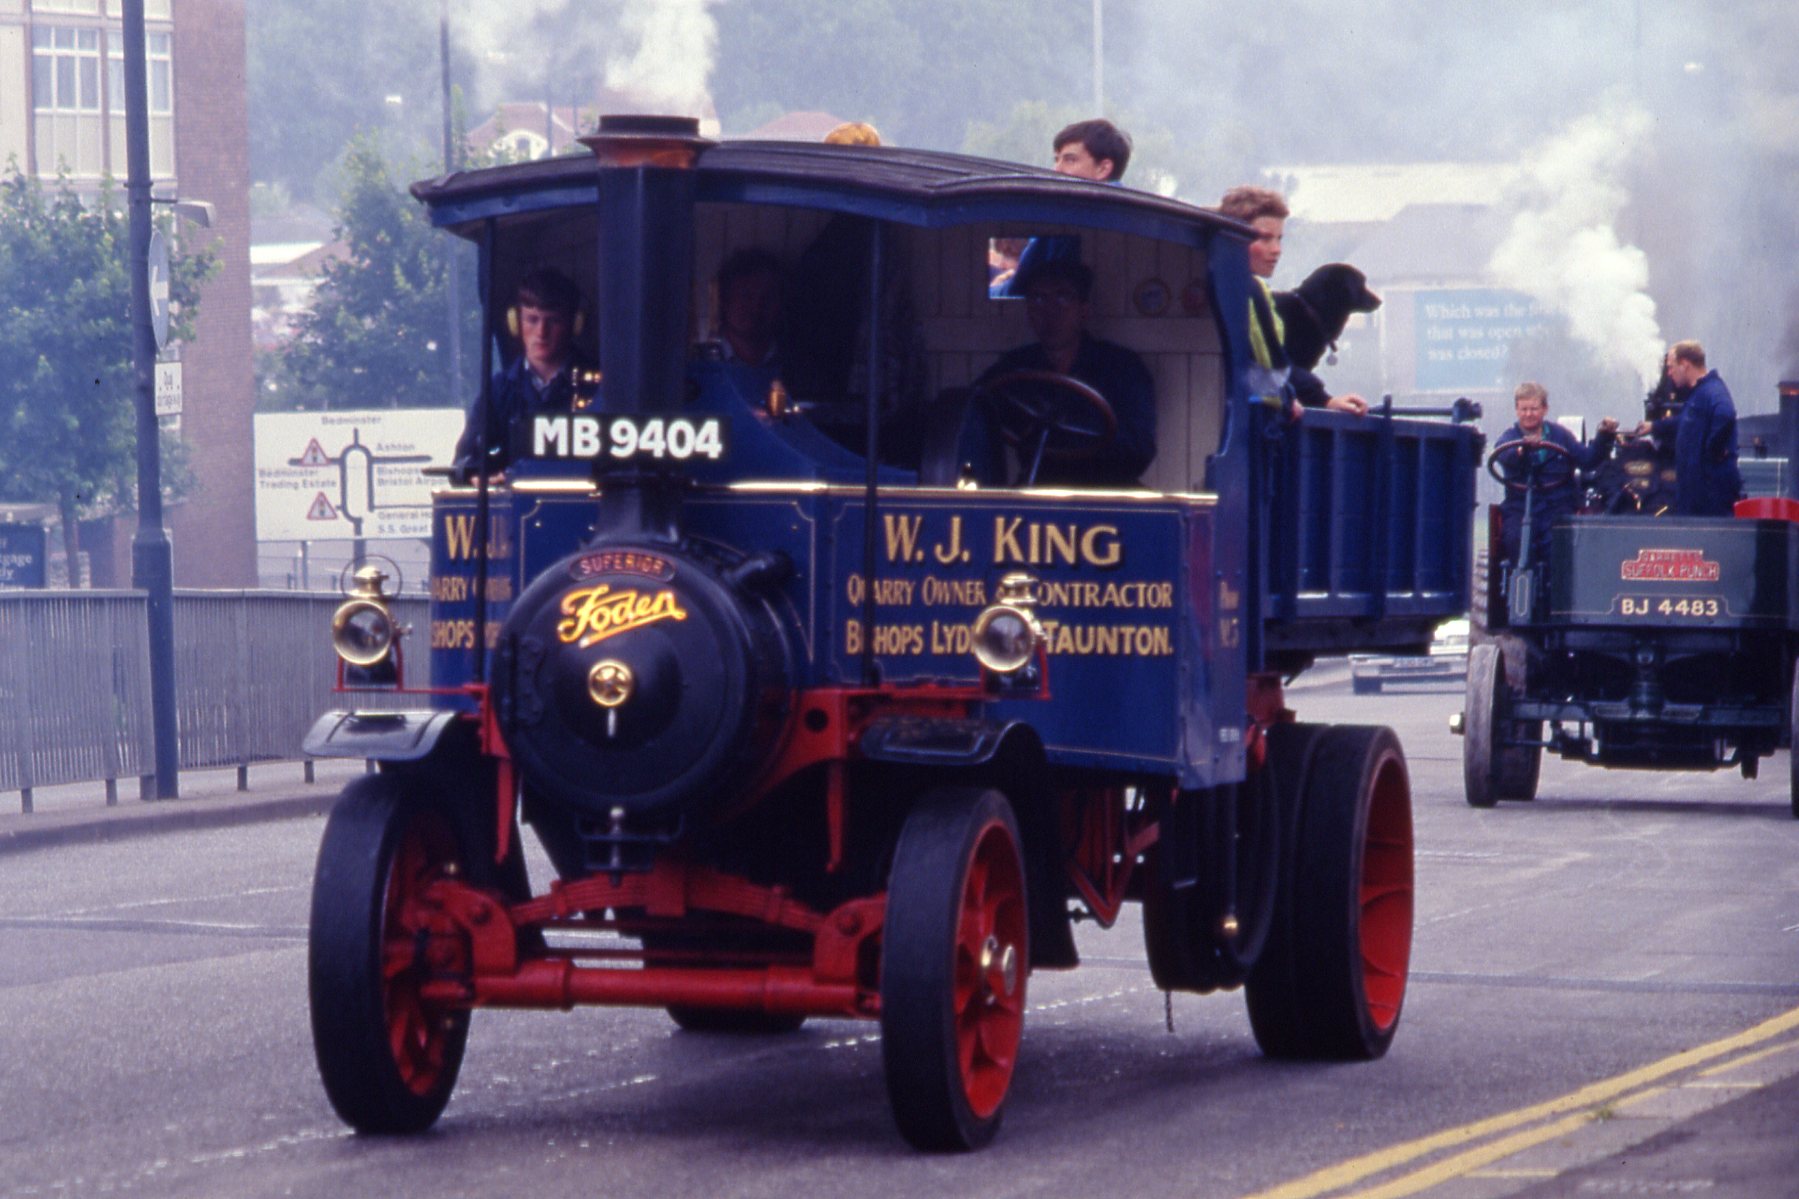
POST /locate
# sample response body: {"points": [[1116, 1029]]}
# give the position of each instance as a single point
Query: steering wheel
{"points": [[1043, 414], [1533, 479]]}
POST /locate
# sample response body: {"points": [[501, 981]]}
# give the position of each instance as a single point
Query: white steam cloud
{"points": [[668, 69], [1563, 247], [657, 55]]}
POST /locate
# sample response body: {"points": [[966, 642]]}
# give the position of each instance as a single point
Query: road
{"points": [[153, 1021]]}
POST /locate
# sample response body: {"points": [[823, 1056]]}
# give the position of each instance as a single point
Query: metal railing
{"points": [[252, 671]]}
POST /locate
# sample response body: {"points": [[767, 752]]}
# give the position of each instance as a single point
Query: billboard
{"points": [[1464, 336], [24, 554], [342, 475]]}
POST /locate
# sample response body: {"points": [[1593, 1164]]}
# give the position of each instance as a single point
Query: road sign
{"points": [[338, 475], [157, 267], [168, 389]]}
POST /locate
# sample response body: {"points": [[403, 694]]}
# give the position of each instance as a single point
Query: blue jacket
{"points": [[1706, 479], [1118, 374], [515, 396]]}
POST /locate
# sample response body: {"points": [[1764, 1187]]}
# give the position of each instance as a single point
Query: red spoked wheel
{"points": [[388, 1058], [955, 957], [1331, 982]]}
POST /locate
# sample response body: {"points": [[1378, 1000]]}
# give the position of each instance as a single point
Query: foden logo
{"points": [[596, 613], [1669, 566]]}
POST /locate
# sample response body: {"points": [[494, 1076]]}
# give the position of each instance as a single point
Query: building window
{"points": [[161, 81], [65, 94]]}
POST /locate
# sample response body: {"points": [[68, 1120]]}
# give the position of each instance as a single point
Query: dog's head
{"points": [[1315, 312]]}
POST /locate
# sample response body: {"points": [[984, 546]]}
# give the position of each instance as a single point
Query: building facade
{"points": [[62, 111]]}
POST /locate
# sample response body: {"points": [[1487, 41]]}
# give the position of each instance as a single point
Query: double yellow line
{"points": [[1498, 1137]]}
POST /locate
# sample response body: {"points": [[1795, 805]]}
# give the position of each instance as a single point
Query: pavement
{"points": [[1711, 1133], [77, 813]]}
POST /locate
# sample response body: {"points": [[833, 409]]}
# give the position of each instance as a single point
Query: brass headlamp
{"points": [[362, 628], [1006, 635]]}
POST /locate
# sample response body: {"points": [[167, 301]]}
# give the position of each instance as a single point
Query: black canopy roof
{"points": [[918, 187]]}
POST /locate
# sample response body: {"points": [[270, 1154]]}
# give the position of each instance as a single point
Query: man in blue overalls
{"points": [[1552, 476]]}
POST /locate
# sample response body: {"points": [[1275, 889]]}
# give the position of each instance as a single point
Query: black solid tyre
{"points": [[1363, 686], [1520, 766], [388, 1059], [955, 956], [1276, 1011], [1331, 982], [1480, 725], [1793, 752], [736, 1021], [1242, 831]]}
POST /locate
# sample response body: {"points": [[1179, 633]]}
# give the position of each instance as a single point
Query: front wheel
{"points": [[1492, 770], [388, 1057], [954, 962], [1331, 982]]}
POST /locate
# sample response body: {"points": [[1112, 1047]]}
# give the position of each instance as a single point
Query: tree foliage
{"points": [[68, 431], [376, 336]]}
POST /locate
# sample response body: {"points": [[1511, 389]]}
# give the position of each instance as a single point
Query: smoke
{"points": [[1563, 248], [671, 63], [654, 55]]}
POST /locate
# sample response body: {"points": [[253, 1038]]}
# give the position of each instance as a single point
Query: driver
{"points": [[1056, 294], [1556, 488]]}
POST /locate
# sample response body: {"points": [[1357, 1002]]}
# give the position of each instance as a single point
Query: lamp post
{"points": [[152, 559], [1099, 58], [453, 271]]}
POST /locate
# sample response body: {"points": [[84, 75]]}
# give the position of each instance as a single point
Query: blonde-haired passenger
{"points": [[854, 133]]}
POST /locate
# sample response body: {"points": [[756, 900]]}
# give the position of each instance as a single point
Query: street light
{"points": [[1099, 58], [152, 559]]}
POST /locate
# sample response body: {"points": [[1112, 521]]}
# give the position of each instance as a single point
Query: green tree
{"points": [[376, 335], [68, 432]]}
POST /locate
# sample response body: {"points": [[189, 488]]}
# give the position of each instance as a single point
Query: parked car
{"points": [[1447, 659]]}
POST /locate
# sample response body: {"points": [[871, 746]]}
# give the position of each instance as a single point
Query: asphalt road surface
{"points": [[1604, 1000]]}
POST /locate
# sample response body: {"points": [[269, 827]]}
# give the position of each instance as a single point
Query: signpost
{"points": [[157, 268], [24, 554], [152, 558], [349, 475], [168, 389]]}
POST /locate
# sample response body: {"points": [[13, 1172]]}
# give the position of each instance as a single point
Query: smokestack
{"points": [[646, 198], [646, 191]]}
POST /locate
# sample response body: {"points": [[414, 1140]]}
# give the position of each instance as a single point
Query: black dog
{"points": [[1315, 312]]}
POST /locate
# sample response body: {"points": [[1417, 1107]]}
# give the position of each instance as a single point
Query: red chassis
{"points": [[455, 946]]}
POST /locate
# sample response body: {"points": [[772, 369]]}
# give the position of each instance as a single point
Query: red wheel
{"points": [[954, 960], [1331, 982], [388, 1058]]}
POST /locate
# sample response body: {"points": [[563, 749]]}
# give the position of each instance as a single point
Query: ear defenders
{"points": [[575, 326]]}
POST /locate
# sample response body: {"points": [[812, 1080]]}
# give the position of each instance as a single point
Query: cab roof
{"points": [[924, 188]]}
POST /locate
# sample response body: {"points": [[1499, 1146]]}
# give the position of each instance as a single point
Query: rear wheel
{"points": [[1205, 936], [954, 962], [1793, 754], [1331, 982], [388, 1058]]}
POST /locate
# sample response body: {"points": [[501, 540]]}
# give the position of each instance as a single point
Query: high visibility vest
{"points": [[1266, 356]]}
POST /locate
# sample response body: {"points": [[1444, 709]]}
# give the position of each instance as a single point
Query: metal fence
{"points": [[252, 671]]}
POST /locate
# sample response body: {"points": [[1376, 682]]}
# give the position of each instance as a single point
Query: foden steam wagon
{"points": [[830, 687]]}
